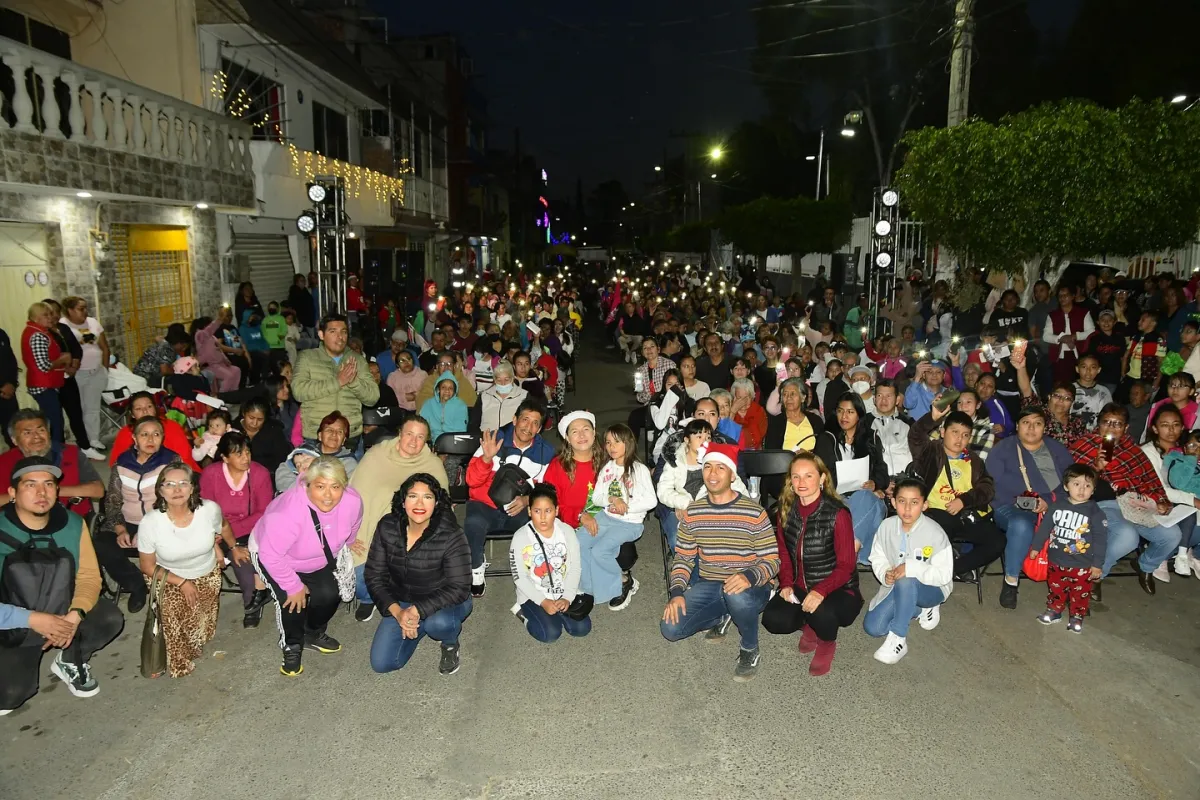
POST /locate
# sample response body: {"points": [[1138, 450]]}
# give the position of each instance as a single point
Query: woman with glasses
{"points": [[1061, 424], [177, 543]]}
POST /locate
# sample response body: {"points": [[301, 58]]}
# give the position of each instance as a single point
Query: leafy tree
{"points": [[1060, 180], [693, 237], [799, 226]]}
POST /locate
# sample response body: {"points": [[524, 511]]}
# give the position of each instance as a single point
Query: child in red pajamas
{"points": [[1078, 533]]}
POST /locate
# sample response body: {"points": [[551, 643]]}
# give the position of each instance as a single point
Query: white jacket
{"points": [[893, 435], [1177, 496], [928, 556], [671, 491], [637, 490], [539, 576], [499, 409]]}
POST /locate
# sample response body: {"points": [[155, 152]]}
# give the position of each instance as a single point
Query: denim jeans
{"points": [[391, 651], [1018, 526], [48, 401], [547, 628], [706, 602], [669, 524], [900, 607], [482, 519], [1123, 538], [867, 512], [360, 585], [601, 574]]}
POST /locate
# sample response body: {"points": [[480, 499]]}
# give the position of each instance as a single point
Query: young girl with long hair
{"points": [[625, 492]]}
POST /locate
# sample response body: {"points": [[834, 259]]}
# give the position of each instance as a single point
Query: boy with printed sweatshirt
{"points": [[1078, 533]]}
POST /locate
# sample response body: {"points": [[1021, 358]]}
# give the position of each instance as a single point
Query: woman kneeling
{"points": [[418, 571], [544, 557]]}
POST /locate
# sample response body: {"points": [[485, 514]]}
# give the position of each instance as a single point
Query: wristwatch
{"points": [[82, 614]]}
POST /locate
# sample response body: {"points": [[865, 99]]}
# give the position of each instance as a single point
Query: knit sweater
{"points": [[379, 476], [287, 543], [723, 540]]}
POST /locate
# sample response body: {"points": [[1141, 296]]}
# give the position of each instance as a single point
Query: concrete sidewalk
{"points": [[990, 705]]}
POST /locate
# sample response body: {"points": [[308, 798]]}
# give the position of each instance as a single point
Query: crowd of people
{"points": [[926, 456]]}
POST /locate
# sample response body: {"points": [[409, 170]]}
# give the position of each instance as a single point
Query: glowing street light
{"points": [[848, 132], [1179, 99], [716, 153], [657, 168]]}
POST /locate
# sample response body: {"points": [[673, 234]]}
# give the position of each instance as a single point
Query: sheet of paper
{"points": [[853, 474], [1176, 515]]}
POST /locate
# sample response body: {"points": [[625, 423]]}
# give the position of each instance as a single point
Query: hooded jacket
{"points": [[434, 574], [449, 416], [428, 390], [379, 476], [286, 541], [287, 474]]}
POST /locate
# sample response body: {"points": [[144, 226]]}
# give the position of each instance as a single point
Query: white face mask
{"points": [[860, 387], [504, 388]]}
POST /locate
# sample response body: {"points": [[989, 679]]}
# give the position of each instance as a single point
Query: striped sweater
{"points": [[722, 540]]}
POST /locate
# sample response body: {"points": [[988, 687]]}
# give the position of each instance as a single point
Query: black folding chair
{"points": [[460, 445], [766, 464]]}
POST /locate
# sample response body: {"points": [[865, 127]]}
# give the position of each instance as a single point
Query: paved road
{"points": [[990, 705]]}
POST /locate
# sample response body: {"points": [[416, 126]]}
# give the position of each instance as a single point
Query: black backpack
{"points": [[38, 575]]}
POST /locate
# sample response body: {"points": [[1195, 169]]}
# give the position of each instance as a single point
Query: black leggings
{"points": [[321, 605], [72, 406], [838, 610], [987, 541]]}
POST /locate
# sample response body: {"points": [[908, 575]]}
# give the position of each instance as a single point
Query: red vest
{"points": [[34, 377], [1057, 321]]}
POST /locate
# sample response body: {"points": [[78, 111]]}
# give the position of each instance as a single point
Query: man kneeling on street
{"points": [[49, 589]]}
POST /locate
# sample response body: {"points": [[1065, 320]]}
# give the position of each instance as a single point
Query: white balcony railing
{"points": [[58, 99], [423, 199]]}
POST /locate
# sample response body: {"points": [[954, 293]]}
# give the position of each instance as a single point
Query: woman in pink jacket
{"points": [[228, 377], [295, 547]]}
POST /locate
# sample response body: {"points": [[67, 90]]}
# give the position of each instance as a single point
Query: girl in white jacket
{"points": [[544, 559], [914, 563], [625, 490]]}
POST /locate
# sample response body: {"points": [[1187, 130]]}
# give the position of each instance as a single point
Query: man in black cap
{"points": [[46, 608]]}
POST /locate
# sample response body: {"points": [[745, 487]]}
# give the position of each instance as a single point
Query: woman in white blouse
{"points": [[177, 540]]}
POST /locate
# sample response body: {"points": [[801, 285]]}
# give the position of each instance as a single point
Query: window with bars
{"points": [[253, 98], [155, 277]]}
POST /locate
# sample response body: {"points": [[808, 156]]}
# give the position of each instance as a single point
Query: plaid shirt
{"points": [[652, 379], [39, 343], [1128, 470], [983, 436]]}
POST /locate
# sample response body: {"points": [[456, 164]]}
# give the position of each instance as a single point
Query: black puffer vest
{"points": [[818, 558]]}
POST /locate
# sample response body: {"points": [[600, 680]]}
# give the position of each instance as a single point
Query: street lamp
{"points": [[810, 158], [716, 153], [657, 168], [1179, 99], [848, 132]]}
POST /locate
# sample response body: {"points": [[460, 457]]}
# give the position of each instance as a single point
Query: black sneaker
{"points": [[628, 589], [1008, 595], [252, 617], [137, 601], [259, 600], [478, 579], [747, 665], [718, 631], [292, 657], [78, 678], [365, 612], [322, 642], [450, 661]]}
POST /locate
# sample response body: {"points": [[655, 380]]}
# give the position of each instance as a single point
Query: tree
{"points": [[1060, 180], [693, 237], [799, 226]]}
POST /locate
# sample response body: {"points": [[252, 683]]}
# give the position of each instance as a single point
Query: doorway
{"points": [[155, 276]]}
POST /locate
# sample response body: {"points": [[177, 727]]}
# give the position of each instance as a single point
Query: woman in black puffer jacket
{"points": [[418, 572]]}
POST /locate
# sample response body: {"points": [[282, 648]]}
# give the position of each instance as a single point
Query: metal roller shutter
{"points": [[271, 268]]}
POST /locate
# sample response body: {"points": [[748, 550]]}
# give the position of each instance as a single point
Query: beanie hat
{"points": [[566, 421]]}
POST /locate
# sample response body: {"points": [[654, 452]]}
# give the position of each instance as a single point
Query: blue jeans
{"points": [[1123, 538], [706, 602], [1018, 526], [900, 607], [481, 520], [548, 627], [1190, 535], [360, 585], [391, 651], [867, 512], [601, 575], [669, 524], [51, 406]]}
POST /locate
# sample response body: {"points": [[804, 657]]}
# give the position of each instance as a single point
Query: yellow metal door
{"points": [[156, 282], [23, 267]]}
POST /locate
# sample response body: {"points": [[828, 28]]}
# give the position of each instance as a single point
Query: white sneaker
{"points": [[892, 650], [930, 617], [4, 712], [1195, 564], [1183, 564], [93, 454], [1161, 573], [477, 580]]}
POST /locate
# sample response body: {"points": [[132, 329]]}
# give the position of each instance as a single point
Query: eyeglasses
{"points": [[176, 484], [1063, 397], [1112, 423]]}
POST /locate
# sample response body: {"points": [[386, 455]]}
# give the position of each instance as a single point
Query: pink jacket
{"points": [[206, 346], [287, 543], [891, 367], [242, 507]]}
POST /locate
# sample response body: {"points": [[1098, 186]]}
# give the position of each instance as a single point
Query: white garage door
{"points": [[271, 268]]}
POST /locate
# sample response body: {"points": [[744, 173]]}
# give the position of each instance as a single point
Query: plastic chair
{"points": [[389, 417]]}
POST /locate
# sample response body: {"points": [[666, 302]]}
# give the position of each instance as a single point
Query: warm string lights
{"points": [[358, 179]]}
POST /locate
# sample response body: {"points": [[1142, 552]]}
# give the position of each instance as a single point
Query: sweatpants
{"points": [[986, 540], [322, 604], [601, 574], [92, 383], [20, 667], [1069, 588], [838, 610]]}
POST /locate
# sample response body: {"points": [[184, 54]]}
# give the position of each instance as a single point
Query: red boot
{"points": [[808, 640], [823, 660]]}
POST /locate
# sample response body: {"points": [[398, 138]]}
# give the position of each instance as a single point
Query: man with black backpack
{"points": [[49, 589]]}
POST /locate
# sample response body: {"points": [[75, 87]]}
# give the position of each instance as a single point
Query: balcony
{"points": [[282, 173], [68, 127], [424, 202]]}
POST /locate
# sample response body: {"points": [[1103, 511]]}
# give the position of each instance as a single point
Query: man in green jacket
{"points": [[333, 378]]}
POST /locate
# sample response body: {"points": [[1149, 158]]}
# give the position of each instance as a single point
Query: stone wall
{"points": [[69, 225]]}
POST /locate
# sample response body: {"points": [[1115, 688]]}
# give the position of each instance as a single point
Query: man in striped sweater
{"points": [[726, 559]]}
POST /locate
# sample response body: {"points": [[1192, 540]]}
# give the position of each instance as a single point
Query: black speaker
{"points": [[837, 272]]}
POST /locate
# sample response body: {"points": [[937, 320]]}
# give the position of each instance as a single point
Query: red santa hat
{"points": [[726, 454]]}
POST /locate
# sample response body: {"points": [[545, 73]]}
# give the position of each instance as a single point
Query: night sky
{"points": [[597, 87]]}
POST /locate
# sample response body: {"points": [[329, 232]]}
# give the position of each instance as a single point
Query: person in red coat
{"points": [[175, 438], [45, 366], [749, 414]]}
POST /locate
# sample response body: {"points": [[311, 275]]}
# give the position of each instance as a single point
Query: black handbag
{"points": [[509, 483]]}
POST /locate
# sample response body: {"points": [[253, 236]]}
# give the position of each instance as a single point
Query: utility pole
{"points": [[820, 164], [960, 62]]}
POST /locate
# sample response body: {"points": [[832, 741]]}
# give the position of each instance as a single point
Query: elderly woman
{"points": [[269, 444], [747, 413], [406, 381], [853, 453], [818, 582], [332, 434], [419, 572], [177, 544], [1026, 465], [175, 439], [46, 362], [384, 469], [242, 490], [130, 496], [501, 400], [294, 547]]}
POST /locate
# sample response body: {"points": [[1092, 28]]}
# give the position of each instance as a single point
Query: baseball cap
{"points": [[35, 464]]}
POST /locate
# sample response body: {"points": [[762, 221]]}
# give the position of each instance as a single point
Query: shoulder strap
{"points": [[537, 537], [1021, 465], [324, 542], [10, 541]]}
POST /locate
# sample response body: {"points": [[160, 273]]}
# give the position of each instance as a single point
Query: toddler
{"points": [[217, 423], [188, 380], [1078, 533]]}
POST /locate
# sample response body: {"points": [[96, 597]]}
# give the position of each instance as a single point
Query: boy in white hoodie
{"points": [[914, 563], [625, 490], [544, 559]]}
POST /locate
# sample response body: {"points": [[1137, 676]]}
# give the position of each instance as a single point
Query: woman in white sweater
{"points": [[914, 563], [625, 490], [1165, 431], [544, 559], [682, 479]]}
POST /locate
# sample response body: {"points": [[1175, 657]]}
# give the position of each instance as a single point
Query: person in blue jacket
{"points": [[445, 411], [1029, 462]]}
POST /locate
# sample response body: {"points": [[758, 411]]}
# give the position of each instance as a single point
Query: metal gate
{"points": [[269, 260], [156, 282]]}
